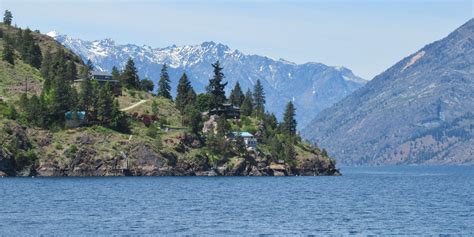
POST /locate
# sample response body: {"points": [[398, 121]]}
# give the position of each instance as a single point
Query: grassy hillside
{"points": [[164, 147]]}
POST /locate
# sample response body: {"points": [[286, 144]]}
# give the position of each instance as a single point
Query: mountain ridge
{"points": [[415, 112], [311, 86]]}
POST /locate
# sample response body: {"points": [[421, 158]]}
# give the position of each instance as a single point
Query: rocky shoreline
{"points": [[88, 153]]}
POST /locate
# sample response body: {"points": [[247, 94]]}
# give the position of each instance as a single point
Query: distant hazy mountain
{"points": [[312, 86], [421, 110]]}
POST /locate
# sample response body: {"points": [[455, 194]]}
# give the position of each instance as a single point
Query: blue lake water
{"points": [[364, 201]]}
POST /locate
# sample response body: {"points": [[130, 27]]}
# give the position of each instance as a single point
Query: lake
{"points": [[407, 200]]}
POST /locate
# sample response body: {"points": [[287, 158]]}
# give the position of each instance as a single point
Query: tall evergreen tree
{"points": [[130, 75], [195, 120], [216, 87], [237, 96], [116, 74], [71, 71], [119, 120], [289, 122], [247, 105], [184, 93], [46, 64], [7, 17], [61, 90], [105, 106], [259, 99], [164, 87], [203, 102], [8, 52], [94, 101], [86, 93], [29, 50]]}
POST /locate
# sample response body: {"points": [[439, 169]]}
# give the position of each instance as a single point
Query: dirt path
{"points": [[134, 105]]}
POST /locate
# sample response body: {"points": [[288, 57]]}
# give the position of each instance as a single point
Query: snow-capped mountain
{"points": [[311, 86]]}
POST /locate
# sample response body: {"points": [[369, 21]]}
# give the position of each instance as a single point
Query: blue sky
{"points": [[367, 36]]}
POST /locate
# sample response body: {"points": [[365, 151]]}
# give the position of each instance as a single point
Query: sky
{"points": [[367, 36]]}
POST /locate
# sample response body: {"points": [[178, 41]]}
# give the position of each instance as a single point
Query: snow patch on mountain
{"points": [[311, 86]]}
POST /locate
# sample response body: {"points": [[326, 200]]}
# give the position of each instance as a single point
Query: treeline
{"points": [[129, 78], [22, 42], [279, 137], [59, 96]]}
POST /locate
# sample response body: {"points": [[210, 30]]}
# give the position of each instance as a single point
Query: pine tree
{"points": [[164, 87], [130, 75], [247, 105], [184, 94], [202, 102], [289, 122], [7, 17], [35, 111], [216, 87], [237, 96], [94, 101], [29, 50], [46, 64], [105, 104], [61, 90], [71, 71], [119, 120], [116, 74], [259, 99], [193, 119], [36, 56], [8, 52], [86, 93]]}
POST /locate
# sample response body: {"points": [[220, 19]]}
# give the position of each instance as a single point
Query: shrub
{"points": [[24, 159], [9, 112], [58, 146], [152, 131], [158, 142], [72, 149]]}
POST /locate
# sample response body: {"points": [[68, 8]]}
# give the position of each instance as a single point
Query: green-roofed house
{"points": [[249, 139]]}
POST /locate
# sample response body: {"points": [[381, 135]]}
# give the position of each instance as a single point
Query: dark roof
{"points": [[99, 73]]}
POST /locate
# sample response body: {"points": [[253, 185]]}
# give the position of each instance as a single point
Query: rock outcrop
{"points": [[83, 152]]}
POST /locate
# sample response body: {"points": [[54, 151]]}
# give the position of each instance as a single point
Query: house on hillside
{"points": [[102, 78], [249, 139], [230, 111]]}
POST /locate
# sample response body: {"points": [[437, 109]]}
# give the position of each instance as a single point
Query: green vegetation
{"points": [[259, 99], [237, 96], [7, 17], [44, 82], [164, 87], [216, 87]]}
